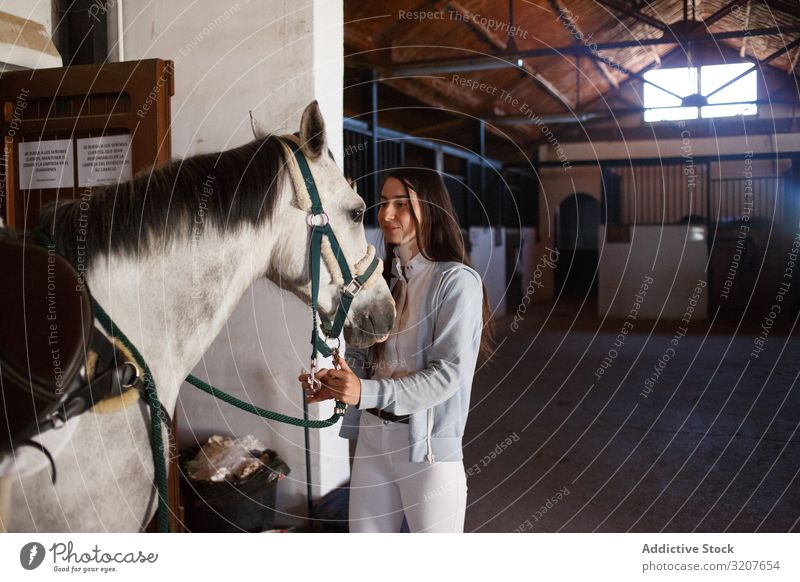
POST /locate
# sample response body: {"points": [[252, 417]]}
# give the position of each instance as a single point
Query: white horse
{"points": [[169, 255]]}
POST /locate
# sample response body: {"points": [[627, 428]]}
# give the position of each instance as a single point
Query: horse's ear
{"points": [[312, 131], [259, 131]]}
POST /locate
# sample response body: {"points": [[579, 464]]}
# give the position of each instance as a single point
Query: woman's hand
{"points": [[343, 385]]}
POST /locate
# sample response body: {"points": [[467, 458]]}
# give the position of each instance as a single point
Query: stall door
{"points": [[72, 128]]}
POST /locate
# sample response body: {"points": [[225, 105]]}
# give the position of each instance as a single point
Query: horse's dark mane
{"points": [[228, 190]]}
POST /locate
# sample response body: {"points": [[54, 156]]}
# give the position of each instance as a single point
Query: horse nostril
{"points": [[387, 318]]}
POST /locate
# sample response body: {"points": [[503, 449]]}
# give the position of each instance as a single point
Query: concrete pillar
{"points": [[272, 57]]}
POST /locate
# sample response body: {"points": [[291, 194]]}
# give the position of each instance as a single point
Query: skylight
{"points": [[685, 93]]}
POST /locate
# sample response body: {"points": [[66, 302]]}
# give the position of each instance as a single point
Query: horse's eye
{"points": [[357, 215]]}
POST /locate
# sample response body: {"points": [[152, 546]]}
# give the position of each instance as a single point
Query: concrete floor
{"points": [[714, 447]]}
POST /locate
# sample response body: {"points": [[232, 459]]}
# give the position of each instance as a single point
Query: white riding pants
{"points": [[384, 485]]}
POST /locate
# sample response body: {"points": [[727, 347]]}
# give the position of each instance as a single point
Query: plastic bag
{"points": [[227, 458]]}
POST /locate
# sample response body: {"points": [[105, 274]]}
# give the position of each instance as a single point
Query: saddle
{"points": [[54, 364]]}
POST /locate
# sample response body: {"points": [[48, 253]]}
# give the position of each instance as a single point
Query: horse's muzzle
{"points": [[372, 328]]}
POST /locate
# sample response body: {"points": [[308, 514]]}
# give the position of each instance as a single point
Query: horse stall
{"points": [[754, 237], [654, 240], [633, 258], [728, 235]]}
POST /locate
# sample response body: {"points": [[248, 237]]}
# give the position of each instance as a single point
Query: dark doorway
{"points": [[576, 238]]}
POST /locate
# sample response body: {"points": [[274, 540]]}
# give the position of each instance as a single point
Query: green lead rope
{"points": [[156, 415], [208, 388]]}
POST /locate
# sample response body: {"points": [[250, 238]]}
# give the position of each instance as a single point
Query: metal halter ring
{"points": [[323, 218], [338, 342], [353, 287], [314, 384], [136, 375]]}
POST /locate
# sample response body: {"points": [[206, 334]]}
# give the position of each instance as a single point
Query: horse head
{"points": [[371, 314]]}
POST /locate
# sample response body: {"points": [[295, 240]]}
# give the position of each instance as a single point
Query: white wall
{"points": [[232, 56], [675, 257], [488, 257], [273, 57]]}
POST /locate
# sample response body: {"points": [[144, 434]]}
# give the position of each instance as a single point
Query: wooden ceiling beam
{"points": [[721, 13], [401, 28], [356, 37], [424, 95], [793, 64], [497, 42], [636, 14], [601, 67], [435, 93], [743, 49], [785, 6]]}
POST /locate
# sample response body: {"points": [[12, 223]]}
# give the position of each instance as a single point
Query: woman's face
{"points": [[394, 214]]}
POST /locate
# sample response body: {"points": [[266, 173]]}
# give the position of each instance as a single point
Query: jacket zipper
{"points": [[430, 429], [431, 456]]}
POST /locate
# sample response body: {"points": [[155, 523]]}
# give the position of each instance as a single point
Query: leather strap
{"points": [[383, 415]]}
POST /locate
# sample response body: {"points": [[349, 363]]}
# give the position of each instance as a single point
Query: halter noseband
{"points": [[320, 227]]}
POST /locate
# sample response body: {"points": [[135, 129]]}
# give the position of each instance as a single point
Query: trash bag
{"points": [[232, 505], [331, 511]]}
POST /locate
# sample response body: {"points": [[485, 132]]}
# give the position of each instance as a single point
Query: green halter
{"points": [[320, 226]]}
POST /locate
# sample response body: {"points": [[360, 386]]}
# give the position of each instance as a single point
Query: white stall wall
{"points": [[488, 256], [270, 56], [273, 57], [670, 260]]}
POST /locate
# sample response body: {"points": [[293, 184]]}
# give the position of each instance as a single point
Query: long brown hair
{"points": [[438, 238]]}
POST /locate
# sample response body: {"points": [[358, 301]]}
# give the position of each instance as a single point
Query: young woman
{"points": [[410, 395]]}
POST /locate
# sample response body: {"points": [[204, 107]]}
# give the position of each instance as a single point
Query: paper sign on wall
{"points": [[104, 160], [46, 164]]}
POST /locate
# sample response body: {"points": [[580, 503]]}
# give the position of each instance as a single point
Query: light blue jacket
{"points": [[437, 395]]}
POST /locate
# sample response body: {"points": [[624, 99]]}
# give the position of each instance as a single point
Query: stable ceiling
{"points": [[432, 55]]}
